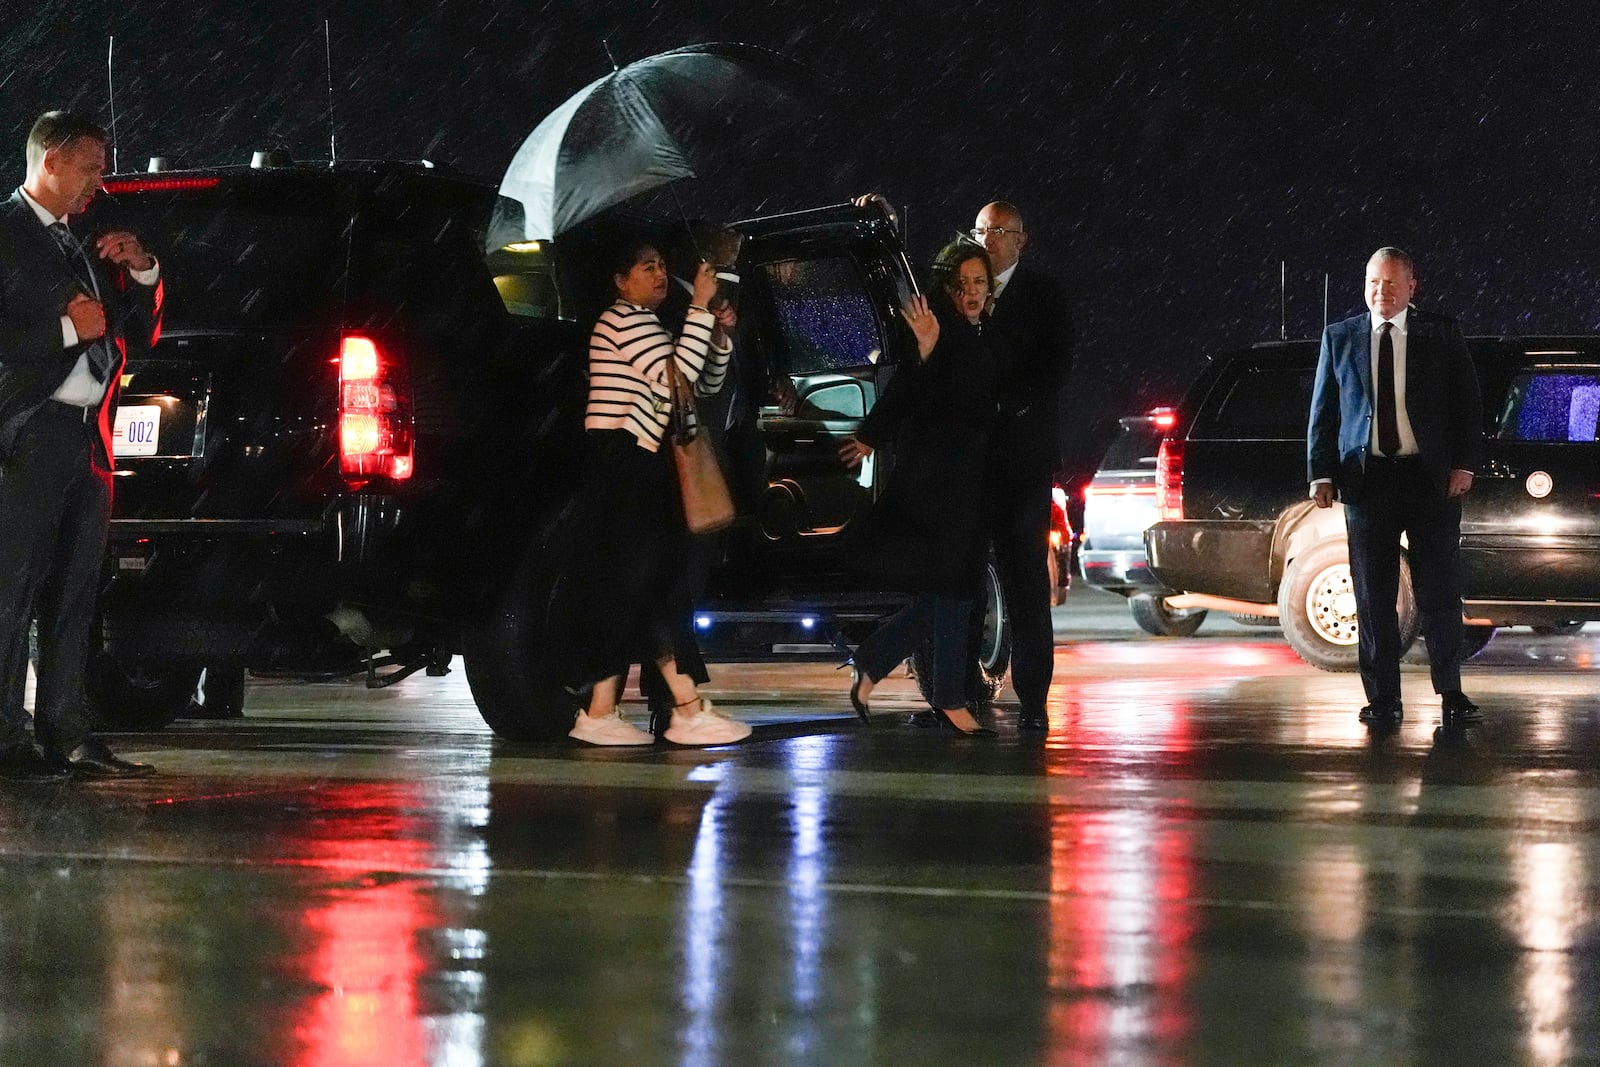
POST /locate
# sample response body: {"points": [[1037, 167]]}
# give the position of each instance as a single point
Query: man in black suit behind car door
{"points": [[65, 311], [1396, 431]]}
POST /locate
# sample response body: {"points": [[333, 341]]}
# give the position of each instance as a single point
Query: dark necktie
{"points": [[1388, 423], [99, 352]]}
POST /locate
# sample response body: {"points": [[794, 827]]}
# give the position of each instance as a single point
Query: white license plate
{"points": [[137, 430]]}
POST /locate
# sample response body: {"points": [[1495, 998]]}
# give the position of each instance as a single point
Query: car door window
{"points": [[1557, 404], [825, 319]]}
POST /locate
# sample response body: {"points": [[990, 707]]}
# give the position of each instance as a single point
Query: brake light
{"points": [[1164, 418], [1169, 479], [158, 185], [374, 413]]}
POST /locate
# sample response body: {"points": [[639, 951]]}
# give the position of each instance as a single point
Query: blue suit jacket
{"points": [[1442, 401]]}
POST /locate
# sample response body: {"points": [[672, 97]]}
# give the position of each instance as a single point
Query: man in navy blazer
{"points": [[1397, 434]]}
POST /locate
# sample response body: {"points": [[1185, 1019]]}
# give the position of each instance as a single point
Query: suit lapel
{"points": [[1361, 353]]}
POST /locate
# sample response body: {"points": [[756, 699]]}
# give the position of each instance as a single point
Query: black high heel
{"points": [[863, 712], [945, 724]]}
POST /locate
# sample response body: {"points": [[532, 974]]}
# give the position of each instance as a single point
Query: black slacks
{"points": [[55, 503], [1398, 498], [1022, 473]]}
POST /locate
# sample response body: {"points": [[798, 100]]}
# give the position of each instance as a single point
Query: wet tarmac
{"points": [[1207, 861]]}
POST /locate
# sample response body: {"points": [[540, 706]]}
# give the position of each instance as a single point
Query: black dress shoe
{"points": [[863, 712], [94, 759], [1382, 713], [1033, 721], [1458, 710], [24, 763], [923, 720]]}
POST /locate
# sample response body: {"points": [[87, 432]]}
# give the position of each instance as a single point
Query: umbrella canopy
{"points": [[615, 137]]}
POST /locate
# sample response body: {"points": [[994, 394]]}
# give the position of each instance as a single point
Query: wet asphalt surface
{"points": [[1207, 860]]}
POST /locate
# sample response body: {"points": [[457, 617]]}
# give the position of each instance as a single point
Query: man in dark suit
{"points": [[65, 311], [1396, 433], [1031, 317]]}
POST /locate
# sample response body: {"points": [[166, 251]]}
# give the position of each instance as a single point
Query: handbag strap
{"points": [[683, 430]]}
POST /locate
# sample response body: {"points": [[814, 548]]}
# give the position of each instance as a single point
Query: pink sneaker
{"points": [[608, 730], [708, 726]]}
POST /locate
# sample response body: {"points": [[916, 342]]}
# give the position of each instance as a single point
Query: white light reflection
{"points": [[806, 867], [1547, 911], [702, 934], [1333, 890]]}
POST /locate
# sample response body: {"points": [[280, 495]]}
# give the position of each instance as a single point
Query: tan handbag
{"points": [[707, 505]]}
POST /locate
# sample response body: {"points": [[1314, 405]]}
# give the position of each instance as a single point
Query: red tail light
{"points": [[374, 413], [1169, 479], [1164, 418], [158, 185]]}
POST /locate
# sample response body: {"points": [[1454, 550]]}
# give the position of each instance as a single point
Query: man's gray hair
{"points": [[1399, 256]]}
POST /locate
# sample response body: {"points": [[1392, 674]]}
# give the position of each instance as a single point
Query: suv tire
{"points": [[137, 699], [512, 668], [1317, 610], [1154, 617], [994, 647]]}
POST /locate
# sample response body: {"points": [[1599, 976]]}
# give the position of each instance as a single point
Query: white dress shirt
{"points": [[1003, 279], [1397, 335]]}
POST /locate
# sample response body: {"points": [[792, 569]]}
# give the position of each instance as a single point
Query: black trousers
{"points": [[1022, 476], [55, 503], [929, 615], [623, 596], [1398, 498]]}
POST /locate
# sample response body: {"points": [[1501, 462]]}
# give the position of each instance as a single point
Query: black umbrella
{"points": [[615, 138]]}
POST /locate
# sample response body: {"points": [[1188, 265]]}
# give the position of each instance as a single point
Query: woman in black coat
{"points": [[925, 535]]}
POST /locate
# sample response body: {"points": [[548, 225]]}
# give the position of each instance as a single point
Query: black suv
{"points": [[1240, 534], [352, 441]]}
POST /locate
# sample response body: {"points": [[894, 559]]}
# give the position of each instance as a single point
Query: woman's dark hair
{"points": [[624, 255], [947, 264]]}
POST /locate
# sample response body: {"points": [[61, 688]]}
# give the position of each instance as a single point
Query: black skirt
{"points": [[622, 596]]}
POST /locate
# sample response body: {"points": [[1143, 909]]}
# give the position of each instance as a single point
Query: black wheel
{"points": [[1317, 607], [1255, 620], [137, 698], [993, 652], [1558, 629], [1154, 617], [513, 669]]}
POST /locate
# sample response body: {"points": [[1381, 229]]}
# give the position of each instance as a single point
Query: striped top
{"points": [[628, 385]]}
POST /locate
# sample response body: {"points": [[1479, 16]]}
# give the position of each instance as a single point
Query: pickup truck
{"points": [[349, 447], [1238, 532]]}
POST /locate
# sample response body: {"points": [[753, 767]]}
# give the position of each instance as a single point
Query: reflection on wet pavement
{"points": [[1207, 861]]}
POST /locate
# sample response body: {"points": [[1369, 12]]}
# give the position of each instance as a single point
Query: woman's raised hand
{"points": [[924, 325], [705, 285]]}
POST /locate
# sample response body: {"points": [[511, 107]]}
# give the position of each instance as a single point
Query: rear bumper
{"points": [[1124, 571], [1222, 558]]}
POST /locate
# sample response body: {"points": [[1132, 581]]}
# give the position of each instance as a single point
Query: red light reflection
{"points": [[363, 956], [1119, 922]]}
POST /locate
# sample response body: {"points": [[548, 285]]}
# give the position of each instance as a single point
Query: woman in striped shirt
{"points": [[631, 602]]}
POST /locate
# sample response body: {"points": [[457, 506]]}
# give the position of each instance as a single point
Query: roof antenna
{"points": [[1283, 299], [605, 42], [327, 40], [111, 93]]}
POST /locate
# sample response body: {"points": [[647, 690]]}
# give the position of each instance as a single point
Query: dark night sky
{"points": [[1167, 157]]}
